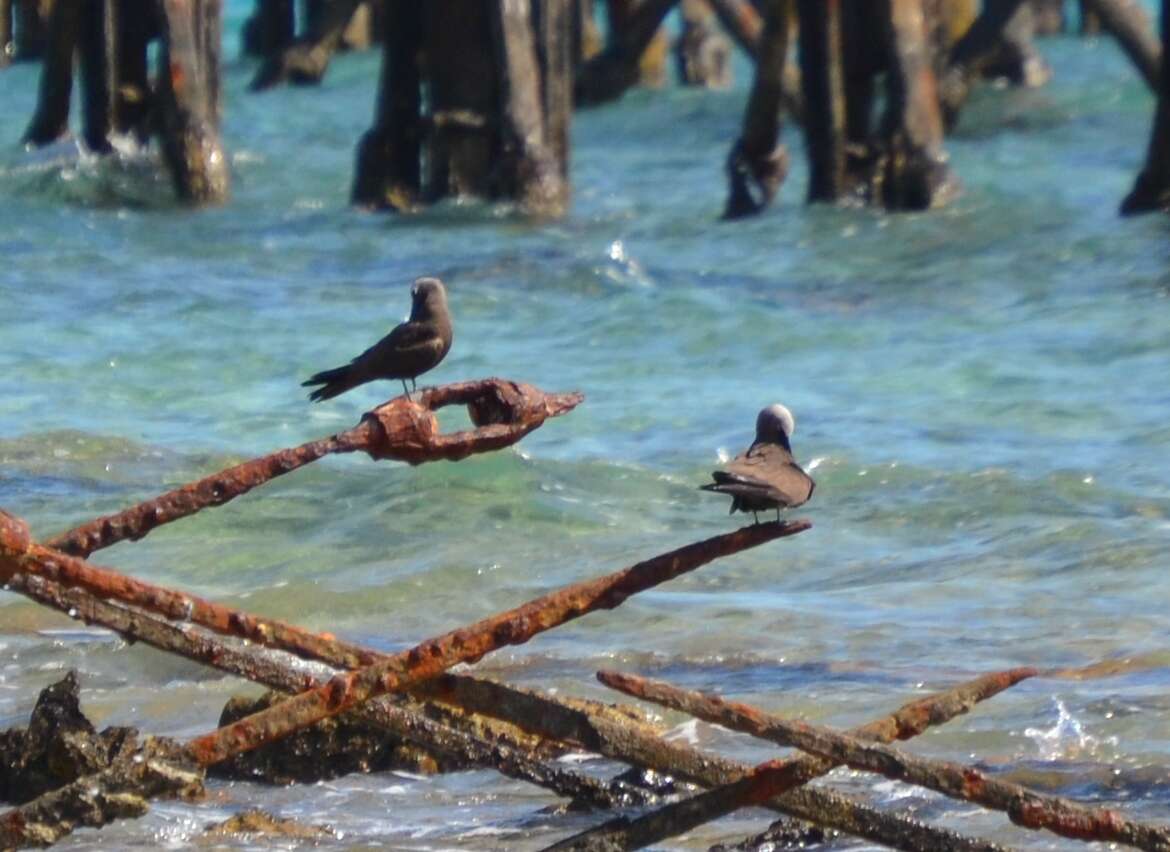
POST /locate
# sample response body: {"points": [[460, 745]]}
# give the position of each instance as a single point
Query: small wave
{"points": [[1066, 739], [132, 176]]}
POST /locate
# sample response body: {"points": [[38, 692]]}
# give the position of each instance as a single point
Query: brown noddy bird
{"points": [[766, 476], [408, 351]]}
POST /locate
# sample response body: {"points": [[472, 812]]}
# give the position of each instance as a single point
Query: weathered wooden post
{"points": [[50, 121], [6, 45], [555, 50], [270, 28], [916, 175], [631, 53], [135, 24], [389, 160], [97, 57], [702, 54], [32, 28], [758, 163], [1151, 190], [529, 171], [305, 61], [497, 112], [1048, 17], [189, 100], [1090, 24], [823, 89]]}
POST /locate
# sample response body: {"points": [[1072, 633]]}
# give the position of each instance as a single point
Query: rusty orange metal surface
{"points": [[1024, 807], [469, 644], [403, 429]]}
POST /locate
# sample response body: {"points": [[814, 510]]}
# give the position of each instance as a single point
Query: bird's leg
{"points": [[777, 514], [404, 388], [756, 515], [413, 384]]}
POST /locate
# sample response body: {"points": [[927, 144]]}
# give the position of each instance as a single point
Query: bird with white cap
{"points": [[766, 476]]}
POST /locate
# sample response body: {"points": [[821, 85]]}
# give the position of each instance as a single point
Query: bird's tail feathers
{"points": [[333, 382]]}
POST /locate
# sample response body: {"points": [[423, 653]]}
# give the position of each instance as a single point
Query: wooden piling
{"points": [[1049, 17], [1151, 190], [388, 175], [6, 46], [32, 29], [189, 100], [971, 53], [50, 120], [822, 87], [270, 28], [135, 24], [612, 72], [554, 21], [528, 169], [97, 58], [758, 163], [306, 60], [916, 175], [702, 54], [1128, 23]]}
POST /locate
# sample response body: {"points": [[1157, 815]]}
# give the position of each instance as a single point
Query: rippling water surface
{"points": [[981, 391]]}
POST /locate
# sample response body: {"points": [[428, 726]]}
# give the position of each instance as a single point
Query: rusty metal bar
{"points": [[403, 429], [588, 724], [289, 674], [777, 777], [20, 555], [1024, 807], [469, 644]]}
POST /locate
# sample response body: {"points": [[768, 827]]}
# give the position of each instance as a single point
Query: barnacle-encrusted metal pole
{"points": [[289, 674], [404, 429], [1024, 807], [638, 746], [778, 776], [469, 644]]}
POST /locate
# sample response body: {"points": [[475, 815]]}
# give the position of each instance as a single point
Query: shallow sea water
{"points": [[981, 392]]}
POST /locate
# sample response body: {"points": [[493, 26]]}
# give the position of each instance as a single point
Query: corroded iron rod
{"points": [[586, 723], [1025, 807], [289, 674], [403, 429], [778, 776], [471, 643]]}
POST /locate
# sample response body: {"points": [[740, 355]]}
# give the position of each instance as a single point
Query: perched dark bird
{"points": [[766, 476], [407, 352]]}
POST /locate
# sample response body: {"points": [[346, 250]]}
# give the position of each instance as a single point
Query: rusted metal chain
{"points": [[1025, 807], [290, 674], [634, 744], [778, 776], [403, 429], [469, 644]]}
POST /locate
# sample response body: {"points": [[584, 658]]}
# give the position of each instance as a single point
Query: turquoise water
{"points": [[980, 392]]}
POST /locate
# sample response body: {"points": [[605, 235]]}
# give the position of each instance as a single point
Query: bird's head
{"points": [[775, 424], [428, 297]]}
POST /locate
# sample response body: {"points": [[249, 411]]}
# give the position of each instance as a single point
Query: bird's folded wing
{"points": [[765, 470]]}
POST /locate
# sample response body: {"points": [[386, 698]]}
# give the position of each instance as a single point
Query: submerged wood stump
{"points": [[495, 122]]}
